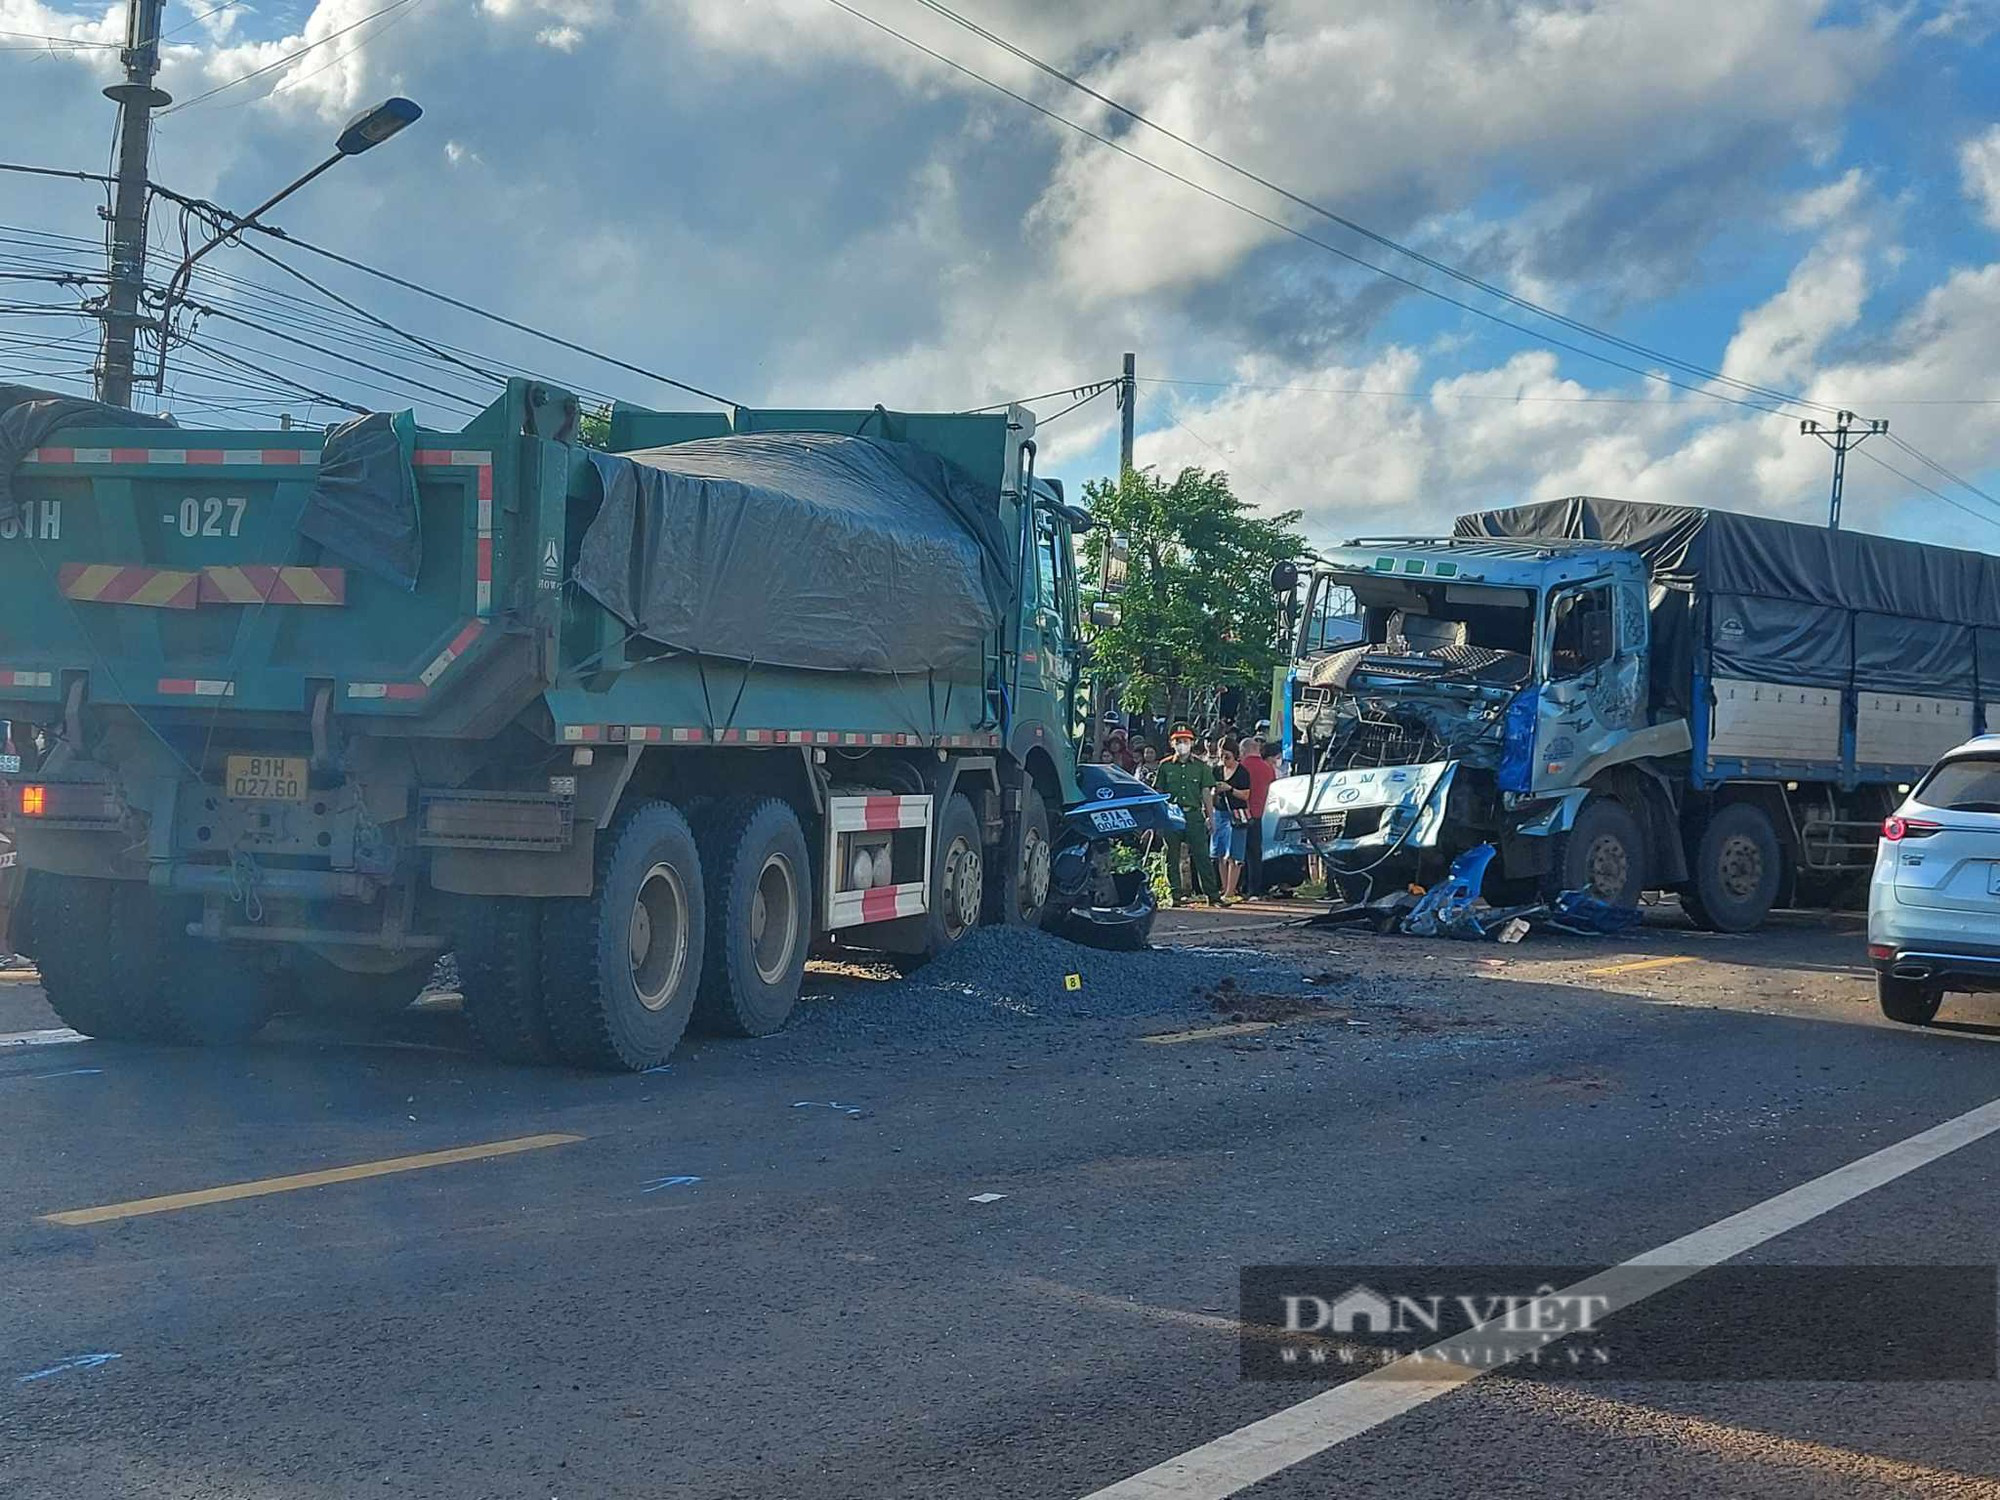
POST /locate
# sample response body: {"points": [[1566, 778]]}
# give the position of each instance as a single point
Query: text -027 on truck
{"points": [[628, 730], [1624, 697]]}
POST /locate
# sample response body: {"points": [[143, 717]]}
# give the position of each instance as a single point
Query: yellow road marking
{"points": [[1643, 963], [20, 976], [1239, 1028], [235, 1190]]}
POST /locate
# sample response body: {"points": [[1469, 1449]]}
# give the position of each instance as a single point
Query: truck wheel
{"points": [[620, 967], [1023, 894], [210, 994], [1738, 866], [1603, 853], [82, 936], [499, 947], [753, 855], [958, 878], [1910, 1001]]}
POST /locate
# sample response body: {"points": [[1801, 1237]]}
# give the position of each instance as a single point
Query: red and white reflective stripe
{"points": [[587, 734], [27, 679], [882, 903], [451, 653], [394, 691], [481, 463], [886, 902], [196, 687], [250, 457], [869, 814]]}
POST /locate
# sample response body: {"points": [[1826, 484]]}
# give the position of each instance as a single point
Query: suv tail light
{"points": [[1895, 830]]}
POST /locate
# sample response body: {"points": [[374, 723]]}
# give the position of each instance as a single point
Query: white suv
{"points": [[1934, 904]]}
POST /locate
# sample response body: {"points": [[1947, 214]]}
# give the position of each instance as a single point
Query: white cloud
{"points": [[1979, 164], [562, 38]]}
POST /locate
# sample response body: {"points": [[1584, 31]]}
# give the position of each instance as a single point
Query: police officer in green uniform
{"points": [[1189, 784]]}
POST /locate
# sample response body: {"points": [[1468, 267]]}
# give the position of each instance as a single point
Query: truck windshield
{"points": [[1408, 617], [1331, 617]]}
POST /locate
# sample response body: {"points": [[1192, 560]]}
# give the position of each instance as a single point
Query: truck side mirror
{"points": [[1103, 614], [1284, 578]]}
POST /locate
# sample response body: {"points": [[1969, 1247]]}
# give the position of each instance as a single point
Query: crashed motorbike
{"points": [[1090, 900]]}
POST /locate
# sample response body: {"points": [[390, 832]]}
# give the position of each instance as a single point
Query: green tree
{"points": [[1196, 610]]}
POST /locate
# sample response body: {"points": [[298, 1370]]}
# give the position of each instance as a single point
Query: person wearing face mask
{"points": [[1190, 785]]}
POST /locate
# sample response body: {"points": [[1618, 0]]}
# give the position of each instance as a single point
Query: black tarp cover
{"points": [[28, 416], [1788, 602], [363, 504], [800, 549]]}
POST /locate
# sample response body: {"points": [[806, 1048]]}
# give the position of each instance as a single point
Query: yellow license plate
{"points": [[265, 778]]}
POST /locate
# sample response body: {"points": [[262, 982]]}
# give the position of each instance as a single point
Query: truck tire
{"points": [[958, 878], [1910, 1001], [759, 874], [84, 936], [499, 947], [1022, 892], [210, 994], [1738, 866], [1603, 853], [620, 967]]}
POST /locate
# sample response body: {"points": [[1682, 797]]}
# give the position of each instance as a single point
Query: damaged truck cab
{"points": [[1495, 682], [1623, 696]]}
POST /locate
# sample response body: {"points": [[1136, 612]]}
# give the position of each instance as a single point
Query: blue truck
{"points": [[630, 727], [1625, 697]]}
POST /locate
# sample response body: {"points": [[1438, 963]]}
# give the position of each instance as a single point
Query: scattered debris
{"points": [[1454, 908], [669, 1182], [985, 1198], [851, 1111], [79, 1362]]}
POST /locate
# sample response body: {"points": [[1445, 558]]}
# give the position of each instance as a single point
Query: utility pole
{"points": [[1128, 400], [1842, 436], [137, 99], [1100, 690]]}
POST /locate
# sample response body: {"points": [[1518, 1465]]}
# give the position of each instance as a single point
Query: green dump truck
{"points": [[629, 728]]}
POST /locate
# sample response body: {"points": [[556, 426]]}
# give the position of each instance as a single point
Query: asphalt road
{"points": [[764, 1271]]}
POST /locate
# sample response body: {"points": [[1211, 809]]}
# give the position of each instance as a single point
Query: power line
{"points": [[1932, 464], [1299, 234], [1444, 268], [1090, 386], [410, 381], [1916, 483], [1091, 395], [491, 317], [292, 56]]}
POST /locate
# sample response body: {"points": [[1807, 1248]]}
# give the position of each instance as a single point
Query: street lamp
{"points": [[364, 132]]}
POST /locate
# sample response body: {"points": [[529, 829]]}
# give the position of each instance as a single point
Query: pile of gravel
{"points": [[1007, 981]]}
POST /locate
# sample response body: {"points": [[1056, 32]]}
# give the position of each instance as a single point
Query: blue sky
{"points": [[773, 200]]}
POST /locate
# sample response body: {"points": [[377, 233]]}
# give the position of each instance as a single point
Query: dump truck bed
{"points": [[164, 571]]}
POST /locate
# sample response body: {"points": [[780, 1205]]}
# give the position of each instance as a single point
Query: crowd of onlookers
{"points": [[1220, 782]]}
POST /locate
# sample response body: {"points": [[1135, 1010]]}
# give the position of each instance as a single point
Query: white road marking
{"points": [[1255, 1452], [55, 1036]]}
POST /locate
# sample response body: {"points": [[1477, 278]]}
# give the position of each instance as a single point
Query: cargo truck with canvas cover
{"points": [[629, 731], [1624, 697]]}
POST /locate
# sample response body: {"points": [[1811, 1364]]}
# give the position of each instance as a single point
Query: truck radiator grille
{"points": [[1387, 742]]}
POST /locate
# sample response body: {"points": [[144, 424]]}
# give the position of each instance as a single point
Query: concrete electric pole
{"points": [[1128, 401], [1847, 432], [137, 99]]}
